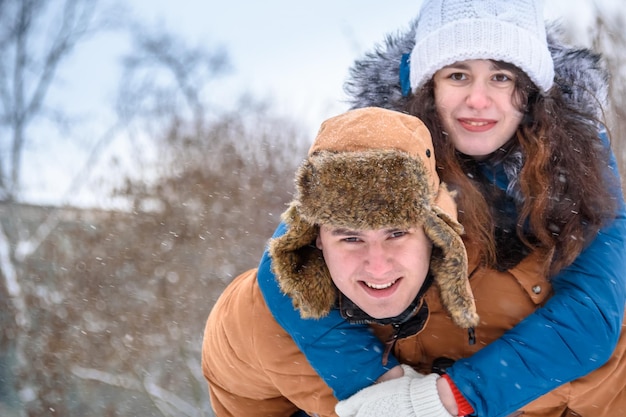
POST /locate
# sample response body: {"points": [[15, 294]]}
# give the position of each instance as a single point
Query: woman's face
{"points": [[474, 100]]}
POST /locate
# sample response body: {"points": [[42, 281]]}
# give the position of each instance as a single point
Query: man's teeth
{"points": [[379, 286]]}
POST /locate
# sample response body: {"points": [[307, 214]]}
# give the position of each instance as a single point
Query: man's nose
{"points": [[378, 260]]}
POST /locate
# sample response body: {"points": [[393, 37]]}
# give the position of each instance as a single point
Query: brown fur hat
{"points": [[370, 168]]}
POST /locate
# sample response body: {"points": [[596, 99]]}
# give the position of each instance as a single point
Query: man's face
{"points": [[382, 270]]}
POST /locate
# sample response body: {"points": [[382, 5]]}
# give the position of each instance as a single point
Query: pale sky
{"points": [[299, 52], [295, 53]]}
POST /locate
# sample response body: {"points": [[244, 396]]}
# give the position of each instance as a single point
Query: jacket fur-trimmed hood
{"points": [[375, 78], [369, 169]]}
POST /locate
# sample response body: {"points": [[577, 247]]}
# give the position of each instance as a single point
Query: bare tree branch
{"points": [[26, 79]]}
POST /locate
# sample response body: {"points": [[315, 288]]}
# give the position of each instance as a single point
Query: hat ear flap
{"points": [[450, 269], [445, 207], [300, 268]]}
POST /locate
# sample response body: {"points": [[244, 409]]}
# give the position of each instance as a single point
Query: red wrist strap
{"points": [[465, 409]]}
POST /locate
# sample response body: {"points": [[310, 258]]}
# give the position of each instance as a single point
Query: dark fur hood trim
{"points": [[375, 79]]}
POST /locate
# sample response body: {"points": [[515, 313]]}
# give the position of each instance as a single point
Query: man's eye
{"points": [[350, 239], [399, 233]]}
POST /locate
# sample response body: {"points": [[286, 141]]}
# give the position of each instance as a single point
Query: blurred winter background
{"points": [[147, 149]]}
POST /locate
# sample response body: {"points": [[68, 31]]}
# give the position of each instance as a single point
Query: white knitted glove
{"points": [[412, 395]]}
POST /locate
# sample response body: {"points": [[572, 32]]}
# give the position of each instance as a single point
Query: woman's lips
{"points": [[477, 125]]}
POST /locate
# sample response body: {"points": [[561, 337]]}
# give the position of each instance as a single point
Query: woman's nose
{"points": [[478, 96]]}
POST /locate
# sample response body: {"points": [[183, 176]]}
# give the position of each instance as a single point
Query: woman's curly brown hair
{"points": [[565, 179]]}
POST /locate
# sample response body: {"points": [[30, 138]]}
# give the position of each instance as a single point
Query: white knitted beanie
{"points": [[512, 31]]}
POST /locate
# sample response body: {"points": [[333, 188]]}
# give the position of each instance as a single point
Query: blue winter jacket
{"points": [[573, 334]]}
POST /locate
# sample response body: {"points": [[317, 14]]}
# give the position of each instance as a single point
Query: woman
{"points": [[515, 124]]}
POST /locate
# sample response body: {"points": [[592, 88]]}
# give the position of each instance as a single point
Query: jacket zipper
{"points": [[389, 344]]}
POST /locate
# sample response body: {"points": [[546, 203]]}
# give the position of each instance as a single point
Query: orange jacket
{"points": [[252, 365], [255, 369]]}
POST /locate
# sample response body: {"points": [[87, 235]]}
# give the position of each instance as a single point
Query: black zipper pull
{"points": [[390, 343], [471, 335]]}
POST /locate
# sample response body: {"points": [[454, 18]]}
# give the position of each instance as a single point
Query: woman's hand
{"points": [[412, 395]]}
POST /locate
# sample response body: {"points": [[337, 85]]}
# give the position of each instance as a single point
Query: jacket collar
{"points": [[418, 308]]}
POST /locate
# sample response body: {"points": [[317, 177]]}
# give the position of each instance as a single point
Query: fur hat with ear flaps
{"points": [[370, 168]]}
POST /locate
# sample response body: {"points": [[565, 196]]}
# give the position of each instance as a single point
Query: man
{"points": [[369, 230]]}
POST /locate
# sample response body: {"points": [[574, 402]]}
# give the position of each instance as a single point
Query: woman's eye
{"points": [[399, 233], [350, 239], [502, 78], [457, 76]]}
